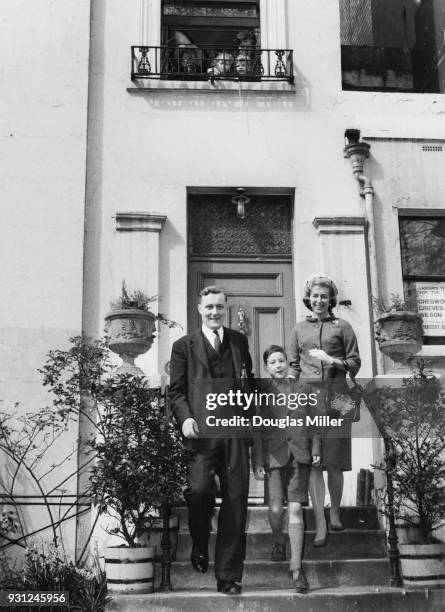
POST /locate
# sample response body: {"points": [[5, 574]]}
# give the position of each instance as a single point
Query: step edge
{"points": [[381, 560], [322, 592]]}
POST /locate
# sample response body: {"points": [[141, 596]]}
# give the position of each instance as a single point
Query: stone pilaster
{"points": [[343, 255], [137, 262]]}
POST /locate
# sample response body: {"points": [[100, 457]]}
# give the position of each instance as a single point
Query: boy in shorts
{"points": [[285, 455]]}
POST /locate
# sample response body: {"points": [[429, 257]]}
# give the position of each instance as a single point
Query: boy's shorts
{"points": [[291, 481]]}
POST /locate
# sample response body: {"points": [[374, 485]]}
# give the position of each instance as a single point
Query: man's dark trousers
{"points": [[194, 365], [229, 459]]}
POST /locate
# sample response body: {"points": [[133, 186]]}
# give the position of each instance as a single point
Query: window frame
{"points": [[420, 214], [417, 42], [272, 23]]}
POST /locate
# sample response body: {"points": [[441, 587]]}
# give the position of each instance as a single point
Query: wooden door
{"points": [[260, 300]]}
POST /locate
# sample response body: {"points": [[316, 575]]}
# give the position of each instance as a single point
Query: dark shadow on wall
{"points": [[170, 239], [92, 318], [279, 100]]}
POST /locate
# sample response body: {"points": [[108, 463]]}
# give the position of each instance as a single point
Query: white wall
{"points": [[43, 109], [144, 149]]}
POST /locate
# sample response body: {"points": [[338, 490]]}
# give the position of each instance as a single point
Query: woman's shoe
{"points": [[320, 542], [335, 526]]}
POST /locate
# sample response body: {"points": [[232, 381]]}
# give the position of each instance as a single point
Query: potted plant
{"points": [[130, 327], [139, 457], [139, 467], [398, 329], [413, 418]]}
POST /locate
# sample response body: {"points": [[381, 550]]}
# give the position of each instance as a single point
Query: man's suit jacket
{"points": [[190, 371]]}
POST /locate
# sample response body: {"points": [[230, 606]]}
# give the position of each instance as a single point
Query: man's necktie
{"points": [[217, 344]]}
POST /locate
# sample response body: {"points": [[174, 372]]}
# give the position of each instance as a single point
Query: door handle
{"points": [[242, 321]]}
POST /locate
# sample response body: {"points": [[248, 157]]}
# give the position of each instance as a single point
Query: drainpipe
{"points": [[357, 151]]}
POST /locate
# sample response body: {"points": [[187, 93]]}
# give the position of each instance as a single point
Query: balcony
{"points": [[192, 63]]}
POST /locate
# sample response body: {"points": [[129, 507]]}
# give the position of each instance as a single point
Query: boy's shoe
{"points": [[278, 552], [300, 581]]}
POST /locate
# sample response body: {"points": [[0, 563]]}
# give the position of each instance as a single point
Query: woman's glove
{"points": [[322, 356]]}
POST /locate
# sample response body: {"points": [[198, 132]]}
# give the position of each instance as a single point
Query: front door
{"points": [[251, 258]]}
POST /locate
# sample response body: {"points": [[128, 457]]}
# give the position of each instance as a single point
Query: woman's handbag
{"points": [[345, 404]]}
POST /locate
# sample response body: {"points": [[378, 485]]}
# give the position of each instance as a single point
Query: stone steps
{"points": [[351, 573], [348, 544], [343, 599], [261, 573], [363, 517]]}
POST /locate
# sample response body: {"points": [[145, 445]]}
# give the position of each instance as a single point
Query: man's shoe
{"points": [[200, 560], [300, 582], [278, 552], [228, 587]]}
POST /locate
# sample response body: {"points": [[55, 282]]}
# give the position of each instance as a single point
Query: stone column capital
{"points": [[139, 222], [340, 225]]}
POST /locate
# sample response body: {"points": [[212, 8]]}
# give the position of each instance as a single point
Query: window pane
{"points": [[212, 9], [422, 243], [209, 23], [266, 228], [430, 303], [211, 37], [393, 45]]}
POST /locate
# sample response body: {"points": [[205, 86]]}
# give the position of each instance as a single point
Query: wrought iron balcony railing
{"points": [[189, 62]]}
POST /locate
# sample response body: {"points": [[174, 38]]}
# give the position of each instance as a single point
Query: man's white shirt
{"points": [[210, 335]]}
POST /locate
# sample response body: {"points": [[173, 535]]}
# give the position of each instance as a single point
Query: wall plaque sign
{"points": [[431, 305]]}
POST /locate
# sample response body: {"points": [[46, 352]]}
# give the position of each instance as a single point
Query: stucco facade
{"points": [[82, 142]]}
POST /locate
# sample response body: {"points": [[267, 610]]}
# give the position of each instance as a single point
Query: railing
{"points": [[189, 62]]}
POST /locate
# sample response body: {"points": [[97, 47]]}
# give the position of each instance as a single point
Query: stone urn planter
{"points": [[130, 333], [399, 334]]}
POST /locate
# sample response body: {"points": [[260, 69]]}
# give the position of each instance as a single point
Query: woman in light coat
{"points": [[322, 349]]}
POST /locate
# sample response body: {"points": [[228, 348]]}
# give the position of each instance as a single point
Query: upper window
{"points": [[215, 40], [393, 45], [422, 243], [218, 23], [211, 37]]}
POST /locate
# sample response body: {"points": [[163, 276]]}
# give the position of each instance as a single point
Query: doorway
{"points": [[251, 258]]}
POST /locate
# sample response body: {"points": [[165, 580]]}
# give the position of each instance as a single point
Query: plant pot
{"points": [[408, 534], [423, 564], [153, 535], [130, 570], [399, 334], [130, 333]]}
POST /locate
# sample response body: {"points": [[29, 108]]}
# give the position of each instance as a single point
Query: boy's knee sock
{"points": [[296, 537]]}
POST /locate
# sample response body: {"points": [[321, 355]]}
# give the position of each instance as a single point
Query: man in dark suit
{"points": [[212, 352]]}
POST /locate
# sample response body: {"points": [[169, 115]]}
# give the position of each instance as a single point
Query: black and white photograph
{"points": [[222, 341]]}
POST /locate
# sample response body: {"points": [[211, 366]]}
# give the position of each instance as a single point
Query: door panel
{"points": [[263, 291]]}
